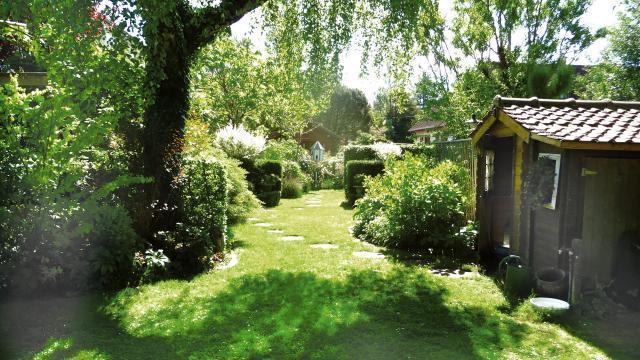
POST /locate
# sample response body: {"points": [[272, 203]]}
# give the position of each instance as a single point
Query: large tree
{"points": [[348, 113], [617, 77], [509, 39], [303, 34]]}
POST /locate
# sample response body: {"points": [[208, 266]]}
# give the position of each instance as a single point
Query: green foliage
{"points": [[355, 171], [286, 149], [400, 110], [62, 223], [234, 84], [151, 266], [292, 188], [198, 142], [265, 177], [348, 113], [327, 173], [617, 77], [415, 205], [550, 81], [203, 186]]}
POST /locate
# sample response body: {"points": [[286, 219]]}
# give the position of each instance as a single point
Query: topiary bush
{"points": [[265, 177], [416, 204], [355, 171]]}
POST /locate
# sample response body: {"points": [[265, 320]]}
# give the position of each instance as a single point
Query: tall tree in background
{"points": [[348, 113], [398, 110], [485, 30], [618, 76]]}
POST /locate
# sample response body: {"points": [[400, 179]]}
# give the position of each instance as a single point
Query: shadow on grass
{"points": [[279, 314], [436, 261]]}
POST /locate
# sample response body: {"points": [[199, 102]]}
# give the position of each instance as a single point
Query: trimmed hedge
{"points": [[355, 171], [367, 152], [265, 177], [203, 233]]}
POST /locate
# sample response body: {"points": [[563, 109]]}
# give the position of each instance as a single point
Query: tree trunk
{"points": [[164, 122]]}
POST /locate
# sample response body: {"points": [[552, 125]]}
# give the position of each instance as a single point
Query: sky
{"points": [[601, 14]]}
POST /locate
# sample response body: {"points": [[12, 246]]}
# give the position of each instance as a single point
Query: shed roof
{"points": [[426, 125], [570, 123]]}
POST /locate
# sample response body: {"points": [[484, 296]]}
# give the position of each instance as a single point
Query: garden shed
{"points": [[561, 177]]}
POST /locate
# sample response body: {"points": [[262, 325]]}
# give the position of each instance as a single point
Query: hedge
{"points": [[355, 172], [204, 193], [367, 152], [265, 177]]}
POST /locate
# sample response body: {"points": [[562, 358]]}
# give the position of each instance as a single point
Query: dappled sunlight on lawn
{"points": [[285, 299]]}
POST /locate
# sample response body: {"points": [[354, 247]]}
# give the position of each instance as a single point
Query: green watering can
{"points": [[516, 277]]}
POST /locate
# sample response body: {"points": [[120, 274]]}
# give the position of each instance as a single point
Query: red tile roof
{"points": [[576, 120], [425, 125]]}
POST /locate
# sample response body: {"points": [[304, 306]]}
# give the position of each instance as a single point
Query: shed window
{"points": [[488, 170], [553, 162]]}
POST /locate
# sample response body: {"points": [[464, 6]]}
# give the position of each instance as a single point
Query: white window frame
{"points": [[557, 158]]}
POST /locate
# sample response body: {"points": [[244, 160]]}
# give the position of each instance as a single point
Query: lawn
{"points": [[286, 299]]}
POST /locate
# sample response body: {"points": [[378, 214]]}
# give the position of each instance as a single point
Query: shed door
{"points": [[501, 195], [611, 207]]}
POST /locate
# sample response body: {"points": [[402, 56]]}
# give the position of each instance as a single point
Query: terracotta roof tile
{"points": [[576, 120]]}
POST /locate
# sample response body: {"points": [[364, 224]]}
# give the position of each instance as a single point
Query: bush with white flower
{"points": [[386, 150], [239, 143]]}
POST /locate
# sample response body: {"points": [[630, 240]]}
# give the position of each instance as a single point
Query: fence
{"points": [[462, 153]]}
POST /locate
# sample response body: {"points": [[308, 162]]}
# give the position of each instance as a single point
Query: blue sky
{"points": [[601, 14]]}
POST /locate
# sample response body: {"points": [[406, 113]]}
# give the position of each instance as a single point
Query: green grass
{"points": [[288, 300]]}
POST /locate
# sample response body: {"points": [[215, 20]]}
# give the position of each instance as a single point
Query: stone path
{"points": [[324, 246], [292, 238]]}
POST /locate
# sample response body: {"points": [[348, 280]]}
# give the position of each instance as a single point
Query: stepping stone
{"points": [[313, 201], [253, 219], [292, 238], [275, 231], [368, 255], [324, 246], [263, 224], [232, 262], [314, 205], [298, 208]]}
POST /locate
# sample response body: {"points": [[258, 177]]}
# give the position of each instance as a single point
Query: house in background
{"points": [[588, 214], [427, 131], [318, 133]]}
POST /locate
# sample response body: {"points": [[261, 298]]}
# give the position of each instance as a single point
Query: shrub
{"points": [[292, 188], [239, 143], [265, 177], [203, 185], [416, 205], [199, 143], [356, 170], [286, 150]]}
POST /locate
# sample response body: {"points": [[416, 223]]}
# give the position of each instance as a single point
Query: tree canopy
{"points": [[348, 113]]}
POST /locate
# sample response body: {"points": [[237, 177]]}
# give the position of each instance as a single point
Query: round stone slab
{"points": [[253, 219], [298, 208], [263, 224], [275, 231], [368, 255], [324, 246], [292, 238]]}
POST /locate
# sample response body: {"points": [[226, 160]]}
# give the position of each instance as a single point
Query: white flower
{"points": [[240, 143], [387, 150]]}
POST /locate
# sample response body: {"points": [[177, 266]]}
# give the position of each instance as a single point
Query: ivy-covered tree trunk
{"points": [[174, 31]]}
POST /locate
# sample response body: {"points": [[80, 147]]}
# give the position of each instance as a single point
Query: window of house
{"points": [[488, 169], [552, 163]]}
